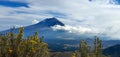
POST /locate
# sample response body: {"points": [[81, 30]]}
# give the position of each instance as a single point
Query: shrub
{"points": [[15, 45], [86, 51]]}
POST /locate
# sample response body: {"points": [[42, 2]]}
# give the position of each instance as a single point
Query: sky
{"points": [[98, 16]]}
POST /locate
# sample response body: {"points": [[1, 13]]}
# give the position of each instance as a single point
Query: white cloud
{"points": [[69, 38], [78, 29], [35, 21]]}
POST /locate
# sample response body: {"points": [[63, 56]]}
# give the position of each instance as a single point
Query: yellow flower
{"points": [[33, 50], [73, 55], [33, 42], [10, 51]]}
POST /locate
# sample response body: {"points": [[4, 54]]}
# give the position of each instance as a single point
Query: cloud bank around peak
{"points": [[78, 29], [83, 30]]}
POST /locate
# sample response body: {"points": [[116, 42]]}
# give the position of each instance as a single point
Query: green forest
{"points": [[15, 45]]}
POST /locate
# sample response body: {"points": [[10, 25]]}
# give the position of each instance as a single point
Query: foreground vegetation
{"points": [[15, 45], [87, 51]]}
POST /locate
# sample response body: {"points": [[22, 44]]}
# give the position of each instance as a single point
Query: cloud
{"points": [[98, 14], [35, 21], [77, 29]]}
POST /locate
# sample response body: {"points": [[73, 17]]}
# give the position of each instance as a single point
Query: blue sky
{"points": [[99, 16], [13, 3]]}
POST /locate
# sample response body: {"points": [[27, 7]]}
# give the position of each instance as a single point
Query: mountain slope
{"points": [[113, 51], [49, 22], [42, 26]]}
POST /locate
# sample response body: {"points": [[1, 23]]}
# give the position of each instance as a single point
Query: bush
{"points": [[15, 45], [86, 51]]}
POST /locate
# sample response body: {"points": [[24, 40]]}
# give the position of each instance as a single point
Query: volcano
{"points": [[59, 40]]}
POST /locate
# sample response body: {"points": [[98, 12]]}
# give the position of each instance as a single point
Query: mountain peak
{"points": [[48, 22]]}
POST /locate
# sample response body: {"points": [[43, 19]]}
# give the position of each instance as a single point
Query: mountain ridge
{"points": [[46, 23], [113, 51]]}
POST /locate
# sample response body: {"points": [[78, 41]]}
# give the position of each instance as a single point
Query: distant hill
{"points": [[113, 51]]}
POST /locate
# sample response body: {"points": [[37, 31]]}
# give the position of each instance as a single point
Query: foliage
{"points": [[14, 45], [86, 51]]}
